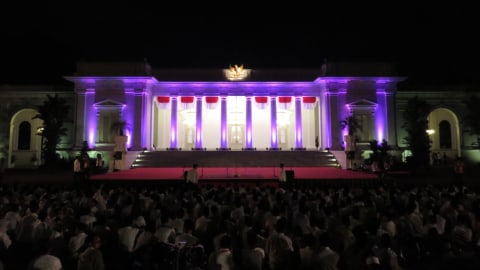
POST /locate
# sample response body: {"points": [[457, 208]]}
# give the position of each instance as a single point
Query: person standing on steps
{"points": [[282, 176], [191, 176]]}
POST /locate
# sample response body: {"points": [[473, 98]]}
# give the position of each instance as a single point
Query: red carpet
{"points": [[244, 173]]}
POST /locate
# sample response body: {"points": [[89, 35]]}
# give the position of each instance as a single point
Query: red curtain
{"points": [[261, 99], [186, 99], [309, 99], [211, 99], [284, 99], [163, 99]]}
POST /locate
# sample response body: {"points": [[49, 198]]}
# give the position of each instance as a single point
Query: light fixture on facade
{"points": [[430, 131]]}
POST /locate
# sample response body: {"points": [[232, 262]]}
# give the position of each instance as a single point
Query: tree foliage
{"points": [[118, 127], [472, 118], [55, 113], [416, 124], [380, 152], [351, 124]]}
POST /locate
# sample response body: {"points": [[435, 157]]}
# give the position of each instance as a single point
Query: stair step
{"points": [[246, 158]]}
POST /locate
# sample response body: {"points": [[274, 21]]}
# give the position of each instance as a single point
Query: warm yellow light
{"points": [[430, 131], [236, 73]]}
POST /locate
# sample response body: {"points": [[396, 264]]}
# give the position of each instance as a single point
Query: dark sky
{"points": [[429, 44]]}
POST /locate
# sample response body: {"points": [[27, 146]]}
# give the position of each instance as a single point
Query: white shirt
{"points": [[126, 237], [192, 176], [47, 262], [283, 176], [77, 165], [75, 243]]}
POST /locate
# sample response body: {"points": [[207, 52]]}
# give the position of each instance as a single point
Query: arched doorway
{"points": [[25, 139], [445, 132]]}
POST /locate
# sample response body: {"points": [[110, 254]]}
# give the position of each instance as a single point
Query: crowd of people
{"points": [[235, 227]]}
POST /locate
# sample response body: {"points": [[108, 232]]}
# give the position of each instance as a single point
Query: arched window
{"points": [[24, 135], [445, 135]]}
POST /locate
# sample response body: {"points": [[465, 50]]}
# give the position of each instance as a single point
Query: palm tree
{"points": [[118, 127], [472, 119], [352, 124], [380, 156], [55, 113], [416, 125]]}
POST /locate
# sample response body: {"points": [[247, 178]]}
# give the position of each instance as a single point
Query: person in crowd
{"points": [[92, 257], [458, 170], [252, 255], [165, 233], [187, 238], [77, 170], [3, 166], [134, 236], [223, 257], [282, 175], [86, 167], [78, 240], [47, 262], [99, 163], [279, 247]]}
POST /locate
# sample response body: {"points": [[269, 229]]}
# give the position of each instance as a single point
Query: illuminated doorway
{"points": [[236, 136]]}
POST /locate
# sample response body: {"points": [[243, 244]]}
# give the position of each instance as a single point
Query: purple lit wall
{"points": [[273, 122], [223, 124], [198, 129], [173, 123], [128, 115], [326, 119], [90, 117], [298, 122], [381, 115], [248, 124]]}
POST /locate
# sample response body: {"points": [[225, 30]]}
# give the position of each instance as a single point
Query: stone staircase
{"points": [[234, 158]]}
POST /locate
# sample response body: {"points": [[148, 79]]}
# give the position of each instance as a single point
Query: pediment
{"points": [[108, 103], [362, 105]]}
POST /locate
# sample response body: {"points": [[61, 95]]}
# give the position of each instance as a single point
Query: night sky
{"points": [[428, 44]]}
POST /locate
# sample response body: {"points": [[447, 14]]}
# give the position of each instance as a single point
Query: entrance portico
{"points": [[250, 110]]}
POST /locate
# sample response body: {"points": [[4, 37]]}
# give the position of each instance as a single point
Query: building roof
{"points": [[132, 69]]}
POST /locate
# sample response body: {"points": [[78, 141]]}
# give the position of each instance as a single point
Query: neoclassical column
{"points": [[391, 134], [80, 117], [380, 115], [139, 122], [335, 112], [248, 122], [298, 122], [173, 123], [273, 123], [198, 123], [223, 123], [88, 117]]}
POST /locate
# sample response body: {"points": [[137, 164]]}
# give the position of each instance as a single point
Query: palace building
{"points": [[235, 108]]}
